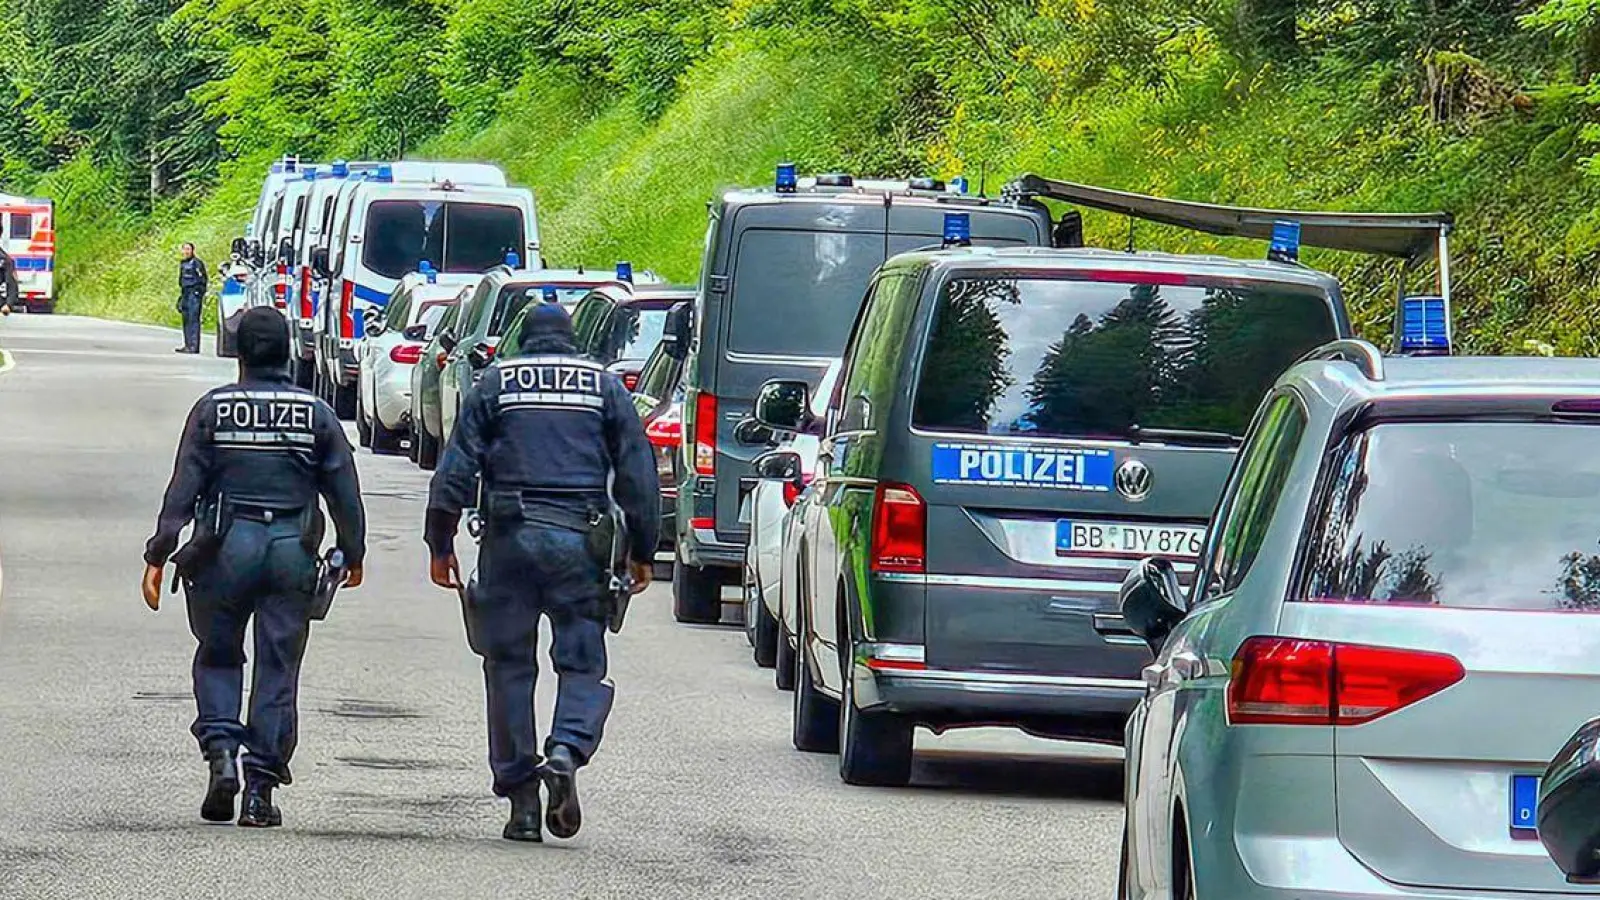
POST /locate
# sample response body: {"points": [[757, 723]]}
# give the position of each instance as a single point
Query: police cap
{"points": [[263, 338]]}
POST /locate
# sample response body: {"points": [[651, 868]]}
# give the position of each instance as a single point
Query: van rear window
{"points": [[796, 293], [1053, 357], [456, 237], [1466, 515]]}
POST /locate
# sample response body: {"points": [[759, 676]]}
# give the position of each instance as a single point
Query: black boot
{"points": [[524, 822], [258, 811], [224, 786], [560, 775]]}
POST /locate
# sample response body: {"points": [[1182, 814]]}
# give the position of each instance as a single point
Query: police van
{"points": [[305, 286], [785, 270], [1013, 430], [386, 224], [279, 174]]}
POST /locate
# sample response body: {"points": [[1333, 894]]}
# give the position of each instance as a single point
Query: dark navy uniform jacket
{"points": [[9, 293], [192, 276], [263, 443], [556, 427]]}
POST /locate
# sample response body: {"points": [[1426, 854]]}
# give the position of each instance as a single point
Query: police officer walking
{"points": [[545, 431], [254, 458], [10, 295], [191, 298]]}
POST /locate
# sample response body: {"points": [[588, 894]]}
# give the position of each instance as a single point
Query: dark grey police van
{"points": [[784, 272], [1012, 431]]}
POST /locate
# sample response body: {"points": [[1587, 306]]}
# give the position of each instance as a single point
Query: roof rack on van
{"points": [[1352, 350], [1412, 237]]}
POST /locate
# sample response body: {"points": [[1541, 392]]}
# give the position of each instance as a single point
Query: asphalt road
{"points": [[696, 793]]}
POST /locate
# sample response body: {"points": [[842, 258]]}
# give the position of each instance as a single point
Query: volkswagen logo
{"points": [[1133, 480]]}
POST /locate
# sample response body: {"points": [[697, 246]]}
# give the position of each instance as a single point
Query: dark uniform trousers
{"points": [[190, 304], [527, 570], [261, 571]]}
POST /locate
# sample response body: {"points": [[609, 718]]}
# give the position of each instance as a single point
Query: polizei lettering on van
{"points": [[1035, 467]]}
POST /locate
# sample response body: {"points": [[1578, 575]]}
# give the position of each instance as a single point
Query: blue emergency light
{"points": [[958, 185], [550, 295], [1285, 246], [788, 180], [957, 230], [341, 169], [426, 268], [1424, 326], [383, 173], [513, 261], [625, 271]]}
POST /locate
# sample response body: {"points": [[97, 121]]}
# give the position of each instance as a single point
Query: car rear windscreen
{"points": [[636, 331], [455, 237], [796, 293], [1053, 357], [514, 298], [1482, 515]]}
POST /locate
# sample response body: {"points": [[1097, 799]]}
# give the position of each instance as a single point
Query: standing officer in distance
{"points": [[545, 431], [191, 297], [254, 458]]}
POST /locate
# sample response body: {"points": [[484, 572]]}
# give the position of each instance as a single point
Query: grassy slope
{"points": [[612, 186]]}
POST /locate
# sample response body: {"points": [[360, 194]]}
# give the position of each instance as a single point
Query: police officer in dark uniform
{"points": [[191, 298], [254, 458], [10, 294], [546, 431]]}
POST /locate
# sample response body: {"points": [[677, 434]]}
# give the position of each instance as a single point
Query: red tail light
{"points": [[791, 491], [406, 354], [705, 434], [1287, 681], [666, 429], [899, 530], [630, 380], [347, 310], [280, 290], [306, 311]]}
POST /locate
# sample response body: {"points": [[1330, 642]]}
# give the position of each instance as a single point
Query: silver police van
{"points": [[1013, 430], [784, 273]]}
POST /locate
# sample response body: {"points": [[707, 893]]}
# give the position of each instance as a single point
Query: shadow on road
{"points": [[1020, 776]]}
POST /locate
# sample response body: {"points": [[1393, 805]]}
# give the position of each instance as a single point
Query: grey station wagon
{"points": [[1013, 430], [784, 274]]}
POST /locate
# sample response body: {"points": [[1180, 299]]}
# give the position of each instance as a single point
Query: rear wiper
{"points": [[1138, 434]]}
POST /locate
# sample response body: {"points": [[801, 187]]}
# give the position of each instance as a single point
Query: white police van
{"points": [[459, 217], [310, 233]]}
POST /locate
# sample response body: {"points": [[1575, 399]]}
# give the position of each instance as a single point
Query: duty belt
{"points": [[252, 512]]}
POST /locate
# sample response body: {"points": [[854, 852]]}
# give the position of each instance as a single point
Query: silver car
{"points": [[1385, 645]]}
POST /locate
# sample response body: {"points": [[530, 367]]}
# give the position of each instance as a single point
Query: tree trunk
{"points": [[158, 179]]}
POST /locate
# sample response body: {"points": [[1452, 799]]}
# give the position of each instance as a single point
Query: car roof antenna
{"points": [[1131, 221]]}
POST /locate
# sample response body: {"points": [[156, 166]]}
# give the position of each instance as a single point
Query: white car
{"points": [[395, 337], [770, 553]]}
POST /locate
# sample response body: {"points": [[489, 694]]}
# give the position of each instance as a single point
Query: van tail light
{"points": [[1288, 681], [899, 530], [280, 289], [705, 434], [791, 491], [630, 380], [347, 311], [406, 354], [666, 429], [306, 311]]}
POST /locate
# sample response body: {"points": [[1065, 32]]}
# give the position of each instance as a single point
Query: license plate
{"points": [[1124, 539], [1524, 807]]}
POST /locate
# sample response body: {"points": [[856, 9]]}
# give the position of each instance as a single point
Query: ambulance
{"points": [[27, 232]]}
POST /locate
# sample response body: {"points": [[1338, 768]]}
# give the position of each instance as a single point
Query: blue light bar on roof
{"points": [[341, 169], [958, 185], [788, 180], [625, 271], [382, 173], [1424, 326], [1285, 246], [550, 295], [513, 261], [426, 268], [957, 230]]}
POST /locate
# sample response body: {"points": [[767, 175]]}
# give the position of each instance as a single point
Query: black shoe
{"points": [[258, 811], [524, 822], [224, 786], [560, 775]]}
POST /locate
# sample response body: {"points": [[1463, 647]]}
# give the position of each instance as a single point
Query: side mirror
{"points": [[679, 330], [780, 465], [372, 320], [751, 433], [418, 332], [1566, 796], [480, 355], [784, 405], [1068, 232], [319, 261], [286, 251], [258, 256], [240, 247], [1152, 601], [448, 342]]}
